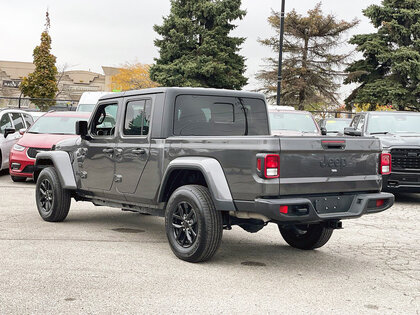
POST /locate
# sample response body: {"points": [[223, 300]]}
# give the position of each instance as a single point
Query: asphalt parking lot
{"points": [[102, 260]]}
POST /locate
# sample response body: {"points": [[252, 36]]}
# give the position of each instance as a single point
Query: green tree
{"points": [[389, 72], [195, 46], [42, 83], [311, 64]]}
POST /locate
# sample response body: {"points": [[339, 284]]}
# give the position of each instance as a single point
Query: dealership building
{"points": [[71, 84]]}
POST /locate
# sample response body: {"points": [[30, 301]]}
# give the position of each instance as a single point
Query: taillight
{"points": [[385, 165], [268, 165]]}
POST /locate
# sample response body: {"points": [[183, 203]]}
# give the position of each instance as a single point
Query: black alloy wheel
{"points": [[193, 225], [184, 223], [46, 197], [52, 200], [306, 236]]}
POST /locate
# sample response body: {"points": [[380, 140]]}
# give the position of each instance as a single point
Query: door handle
{"points": [[139, 151], [108, 150]]}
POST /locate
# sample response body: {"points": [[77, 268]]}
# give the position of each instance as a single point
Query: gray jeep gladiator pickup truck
{"points": [[205, 160]]}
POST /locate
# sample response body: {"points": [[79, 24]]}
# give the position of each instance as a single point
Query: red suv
{"points": [[47, 131]]}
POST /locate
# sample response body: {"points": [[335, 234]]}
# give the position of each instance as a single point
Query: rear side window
{"points": [[29, 120], [137, 118], [198, 115], [18, 121]]}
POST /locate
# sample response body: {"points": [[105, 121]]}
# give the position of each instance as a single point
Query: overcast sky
{"points": [[88, 34]]}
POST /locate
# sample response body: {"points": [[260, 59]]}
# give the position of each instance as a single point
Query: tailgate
{"points": [[315, 165]]}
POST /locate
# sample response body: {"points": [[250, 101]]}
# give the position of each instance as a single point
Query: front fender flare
{"points": [[213, 174], [62, 164]]}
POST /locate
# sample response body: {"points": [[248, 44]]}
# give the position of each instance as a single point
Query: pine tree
{"points": [[195, 47], [42, 83], [389, 72], [311, 65]]}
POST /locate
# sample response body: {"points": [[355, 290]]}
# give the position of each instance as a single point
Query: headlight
{"points": [[18, 147]]}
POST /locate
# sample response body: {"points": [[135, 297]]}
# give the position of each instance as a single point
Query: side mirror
{"points": [[9, 131], [82, 128], [323, 131], [351, 131], [22, 131]]}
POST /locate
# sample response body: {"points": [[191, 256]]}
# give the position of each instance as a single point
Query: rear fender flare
{"points": [[61, 161], [213, 174]]}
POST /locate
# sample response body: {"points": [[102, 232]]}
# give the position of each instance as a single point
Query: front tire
{"points": [[306, 237], [18, 179], [193, 225], [52, 200]]}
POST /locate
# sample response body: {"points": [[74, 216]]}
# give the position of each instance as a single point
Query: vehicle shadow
{"points": [[407, 198], [238, 247]]}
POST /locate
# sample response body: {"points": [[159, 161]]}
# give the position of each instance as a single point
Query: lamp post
{"points": [[279, 77]]}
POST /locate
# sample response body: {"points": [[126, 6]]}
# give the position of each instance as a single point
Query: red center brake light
{"points": [[385, 165]]}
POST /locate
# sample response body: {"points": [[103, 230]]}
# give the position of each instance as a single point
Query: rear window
{"points": [[198, 115]]}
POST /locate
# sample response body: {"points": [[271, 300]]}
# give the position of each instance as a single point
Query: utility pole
{"points": [[279, 77]]}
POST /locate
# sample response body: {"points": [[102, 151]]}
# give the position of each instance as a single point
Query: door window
{"points": [[137, 118], [5, 123], [29, 120], [18, 121], [105, 120]]}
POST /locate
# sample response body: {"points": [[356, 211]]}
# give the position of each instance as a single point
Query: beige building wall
{"points": [[71, 84]]}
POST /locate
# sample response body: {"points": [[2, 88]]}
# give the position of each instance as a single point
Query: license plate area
{"points": [[332, 204]]}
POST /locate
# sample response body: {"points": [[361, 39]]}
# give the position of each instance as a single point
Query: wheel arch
{"points": [[197, 170], [60, 160]]}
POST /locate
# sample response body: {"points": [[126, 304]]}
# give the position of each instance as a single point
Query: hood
{"points": [[292, 133], [388, 141], [44, 141]]}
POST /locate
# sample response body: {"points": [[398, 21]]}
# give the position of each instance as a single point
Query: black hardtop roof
{"points": [[185, 90]]}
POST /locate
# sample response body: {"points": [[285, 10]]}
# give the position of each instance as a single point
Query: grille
{"points": [[405, 159], [32, 152]]}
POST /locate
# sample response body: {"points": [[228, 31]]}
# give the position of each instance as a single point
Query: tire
{"points": [[18, 179], [191, 207], [306, 237], [52, 200]]}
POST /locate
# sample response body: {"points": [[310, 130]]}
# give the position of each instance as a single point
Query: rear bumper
{"points": [[306, 210], [401, 182]]}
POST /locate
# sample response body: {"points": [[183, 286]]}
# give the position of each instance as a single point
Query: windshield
{"points": [[394, 123], [337, 125], [293, 122], [88, 108], [55, 125]]}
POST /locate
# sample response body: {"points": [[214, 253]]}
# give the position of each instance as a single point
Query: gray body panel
{"points": [[61, 161], [228, 164]]}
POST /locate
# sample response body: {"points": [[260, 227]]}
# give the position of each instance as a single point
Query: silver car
{"points": [[11, 121]]}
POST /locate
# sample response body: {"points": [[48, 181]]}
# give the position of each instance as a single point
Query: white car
{"points": [[11, 121]]}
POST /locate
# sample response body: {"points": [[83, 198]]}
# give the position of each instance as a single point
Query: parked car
{"points": [[284, 120], [42, 136], [205, 160], [399, 133], [11, 121], [334, 126], [88, 101]]}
